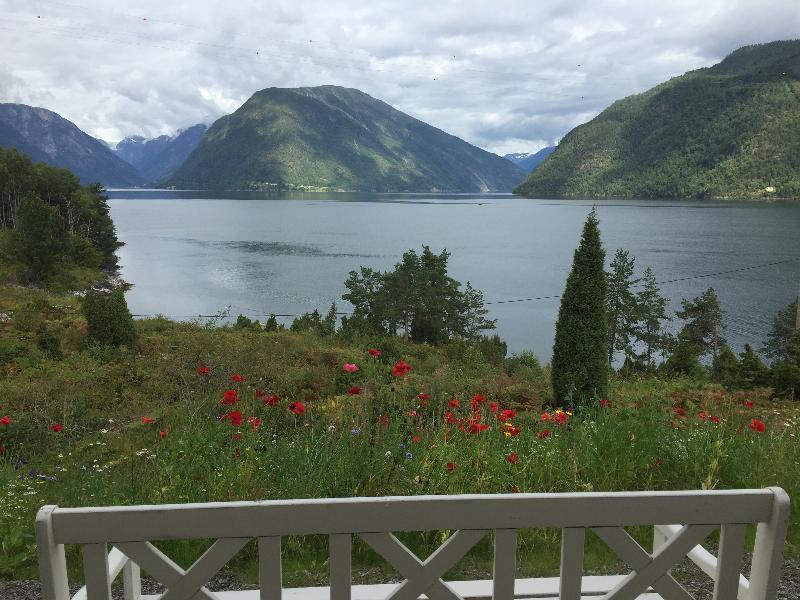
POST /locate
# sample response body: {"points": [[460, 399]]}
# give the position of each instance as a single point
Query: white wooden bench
{"points": [[130, 529]]}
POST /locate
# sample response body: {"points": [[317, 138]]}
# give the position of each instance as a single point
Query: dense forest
{"points": [[731, 130]]}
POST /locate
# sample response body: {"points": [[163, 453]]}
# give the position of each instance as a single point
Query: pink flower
{"points": [[5, 421], [350, 367]]}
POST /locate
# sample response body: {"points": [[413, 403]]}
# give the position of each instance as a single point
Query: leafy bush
{"points": [[108, 320]]}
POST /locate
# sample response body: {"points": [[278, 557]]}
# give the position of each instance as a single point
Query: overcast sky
{"points": [[506, 75]]}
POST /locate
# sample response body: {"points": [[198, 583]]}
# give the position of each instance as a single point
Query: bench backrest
{"points": [[130, 529]]}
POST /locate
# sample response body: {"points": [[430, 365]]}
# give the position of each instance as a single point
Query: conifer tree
{"points": [[580, 364], [752, 370], [783, 328], [703, 328], [648, 329], [621, 305]]}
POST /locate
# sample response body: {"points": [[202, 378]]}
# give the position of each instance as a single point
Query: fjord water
{"points": [[195, 253]]}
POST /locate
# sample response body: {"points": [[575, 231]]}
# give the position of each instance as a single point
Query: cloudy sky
{"points": [[506, 75]]}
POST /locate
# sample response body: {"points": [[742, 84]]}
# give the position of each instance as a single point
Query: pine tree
{"points": [[725, 369], [783, 327], [621, 305], [648, 329], [752, 370], [703, 328], [580, 365]]}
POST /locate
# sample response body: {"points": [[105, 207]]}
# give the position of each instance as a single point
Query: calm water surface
{"points": [[194, 253]]}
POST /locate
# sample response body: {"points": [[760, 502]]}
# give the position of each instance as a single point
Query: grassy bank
{"points": [[200, 413]]}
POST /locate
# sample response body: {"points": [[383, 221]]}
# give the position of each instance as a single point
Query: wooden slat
{"points": [[131, 581], [270, 571], [95, 570], [52, 560], [414, 513], [505, 564], [208, 565], [572, 541], [729, 563], [341, 550], [768, 551]]}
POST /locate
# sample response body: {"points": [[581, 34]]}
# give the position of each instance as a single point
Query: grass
{"points": [[387, 440]]}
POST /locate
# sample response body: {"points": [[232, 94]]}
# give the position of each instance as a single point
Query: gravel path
{"points": [[696, 582]]}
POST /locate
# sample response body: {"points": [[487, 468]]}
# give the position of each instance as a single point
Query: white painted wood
{"points": [[768, 551], [505, 564], [407, 513], [95, 570], [52, 561], [270, 571], [341, 551], [572, 541], [729, 565], [208, 565], [131, 581]]}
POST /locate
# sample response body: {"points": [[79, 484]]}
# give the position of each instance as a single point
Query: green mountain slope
{"points": [[731, 130], [337, 138]]}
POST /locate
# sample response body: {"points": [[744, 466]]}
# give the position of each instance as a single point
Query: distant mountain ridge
{"points": [[331, 137], [731, 130], [530, 160], [158, 158], [47, 137]]}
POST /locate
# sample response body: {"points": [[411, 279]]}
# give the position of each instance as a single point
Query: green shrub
{"points": [[108, 320], [48, 341], [524, 364]]}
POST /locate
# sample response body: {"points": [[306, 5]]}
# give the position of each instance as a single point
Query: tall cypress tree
{"points": [[580, 362]]}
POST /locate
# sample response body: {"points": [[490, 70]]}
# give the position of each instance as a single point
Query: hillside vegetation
{"points": [[337, 138], [731, 130]]}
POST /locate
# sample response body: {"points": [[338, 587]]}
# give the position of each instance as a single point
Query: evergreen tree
{"points": [[725, 369], [621, 305], [108, 320], [703, 327], [783, 327], [786, 373], [580, 362], [272, 324], [648, 327], [39, 241], [752, 370], [684, 358]]}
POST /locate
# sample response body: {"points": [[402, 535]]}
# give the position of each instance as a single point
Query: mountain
{"points": [[731, 130], [46, 137], [530, 160], [337, 138], [159, 157]]}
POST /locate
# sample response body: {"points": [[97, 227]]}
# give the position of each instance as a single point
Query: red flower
{"points": [[681, 412], [494, 407], [297, 408], [545, 416], [203, 370], [230, 397], [5, 421], [354, 391], [748, 404], [147, 420], [412, 413], [374, 352], [479, 398], [449, 418], [476, 427], [270, 400], [423, 396], [513, 458], [350, 367], [605, 403], [507, 415], [384, 419], [451, 466], [714, 419], [453, 403], [255, 422], [544, 434], [416, 439], [401, 368], [757, 425], [162, 434], [57, 427], [235, 417], [512, 430], [702, 416], [561, 418], [236, 378]]}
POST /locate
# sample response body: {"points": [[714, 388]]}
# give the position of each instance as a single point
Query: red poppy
{"points": [[748, 404], [702, 416], [255, 422], [162, 434], [605, 403], [561, 418], [350, 367], [374, 352], [714, 419], [416, 439], [412, 413], [757, 425], [354, 391], [384, 419], [494, 407], [476, 427], [449, 418], [271, 400], [453, 403], [513, 458], [544, 434], [146, 420], [451, 466], [512, 430], [297, 408], [545, 416], [5, 421], [236, 437], [57, 427], [423, 396], [401, 368], [230, 397], [507, 415], [203, 370], [681, 412], [235, 417], [236, 378]]}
